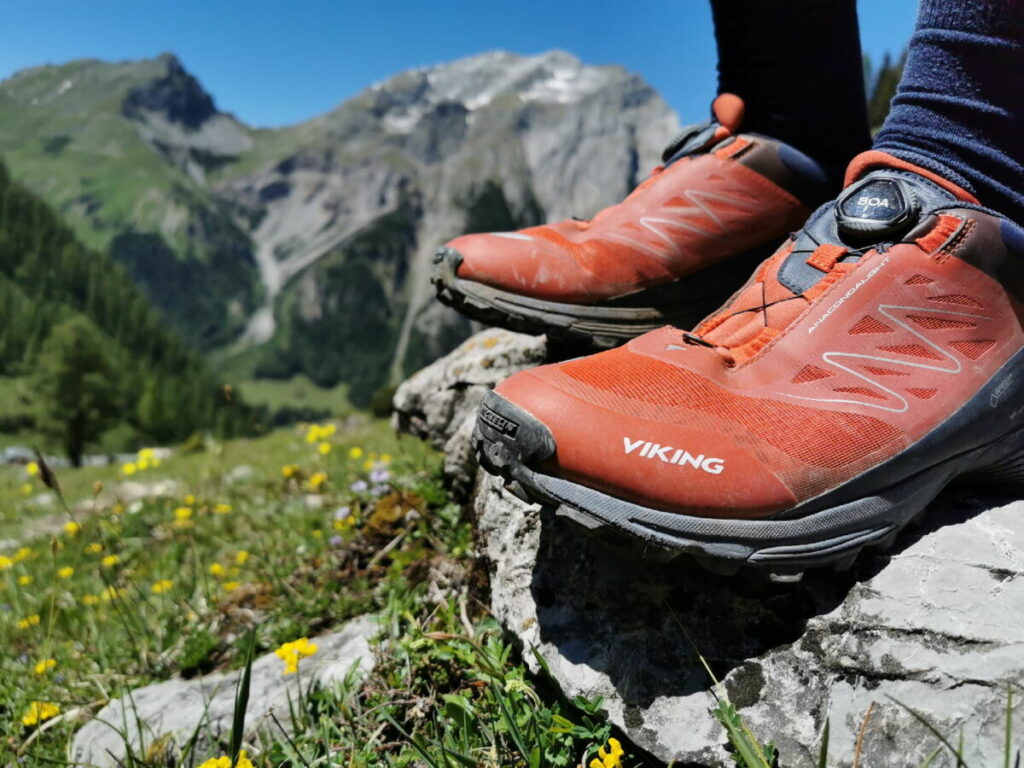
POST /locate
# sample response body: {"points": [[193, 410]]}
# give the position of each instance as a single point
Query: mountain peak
{"points": [[552, 76], [475, 82], [176, 95]]}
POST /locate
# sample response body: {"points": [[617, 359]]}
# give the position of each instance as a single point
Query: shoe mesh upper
{"points": [[809, 449]]}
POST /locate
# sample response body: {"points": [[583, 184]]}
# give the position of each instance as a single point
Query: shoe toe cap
{"points": [[522, 263]]}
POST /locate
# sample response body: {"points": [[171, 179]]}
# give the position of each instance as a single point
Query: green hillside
{"points": [[116, 150], [49, 280]]}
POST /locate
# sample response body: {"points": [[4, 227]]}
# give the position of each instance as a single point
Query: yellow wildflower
{"points": [[183, 513], [385, 458], [94, 549], [147, 454], [324, 449], [610, 757], [39, 711], [241, 556], [142, 465], [225, 762], [29, 621], [355, 452], [110, 560], [22, 554], [90, 600], [368, 465], [217, 569], [45, 666], [110, 593], [117, 509], [5, 563], [66, 572], [291, 653], [71, 527], [190, 500], [317, 480], [289, 470], [24, 580], [159, 587], [231, 586], [222, 509], [318, 534], [129, 468], [32, 468], [26, 489], [344, 523]]}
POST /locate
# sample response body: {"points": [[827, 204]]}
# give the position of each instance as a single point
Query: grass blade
{"points": [[420, 749], [1008, 748], [242, 700], [935, 731], [823, 752], [513, 726], [750, 755]]}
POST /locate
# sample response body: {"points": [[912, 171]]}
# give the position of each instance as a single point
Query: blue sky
{"points": [[275, 63]]}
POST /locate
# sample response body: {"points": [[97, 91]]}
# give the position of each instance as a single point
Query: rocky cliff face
{"points": [[350, 213], [315, 238]]}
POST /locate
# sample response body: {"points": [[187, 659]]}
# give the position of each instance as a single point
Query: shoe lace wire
{"points": [[726, 350]]}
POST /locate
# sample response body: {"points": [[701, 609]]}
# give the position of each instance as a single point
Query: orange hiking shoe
{"points": [[873, 359], [670, 252]]}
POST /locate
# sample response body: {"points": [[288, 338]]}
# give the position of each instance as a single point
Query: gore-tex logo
{"points": [[670, 455]]}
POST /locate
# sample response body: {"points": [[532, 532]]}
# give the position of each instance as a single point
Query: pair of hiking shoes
{"points": [[871, 359]]}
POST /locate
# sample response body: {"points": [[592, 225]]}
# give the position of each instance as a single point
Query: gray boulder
{"points": [[935, 624], [169, 713]]}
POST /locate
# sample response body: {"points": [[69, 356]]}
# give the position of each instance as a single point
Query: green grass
{"points": [[150, 584], [297, 392]]}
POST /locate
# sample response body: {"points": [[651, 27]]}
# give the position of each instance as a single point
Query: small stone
{"points": [[175, 709]]}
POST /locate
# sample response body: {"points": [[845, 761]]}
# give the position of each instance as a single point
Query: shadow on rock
{"points": [[642, 623], [606, 615]]}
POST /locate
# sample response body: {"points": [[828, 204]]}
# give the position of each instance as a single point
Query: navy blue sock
{"points": [[959, 109], [797, 66]]}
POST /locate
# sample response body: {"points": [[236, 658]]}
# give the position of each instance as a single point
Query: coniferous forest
{"points": [[56, 295]]}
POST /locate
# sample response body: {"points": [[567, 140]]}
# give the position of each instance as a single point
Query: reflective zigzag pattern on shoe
{"points": [[952, 364]]}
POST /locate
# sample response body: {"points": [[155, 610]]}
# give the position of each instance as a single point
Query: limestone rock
{"points": [[439, 402], [935, 624], [175, 709]]}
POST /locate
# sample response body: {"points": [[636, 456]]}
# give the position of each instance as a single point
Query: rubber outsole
{"points": [[602, 325], [866, 513]]}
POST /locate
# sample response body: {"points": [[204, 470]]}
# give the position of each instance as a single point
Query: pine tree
{"points": [[75, 386]]}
